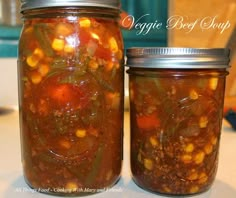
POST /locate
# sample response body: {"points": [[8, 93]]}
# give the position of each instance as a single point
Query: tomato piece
{"points": [[62, 93], [103, 53], [84, 37], [69, 94], [148, 122]]}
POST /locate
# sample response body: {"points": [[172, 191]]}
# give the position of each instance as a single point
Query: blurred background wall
{"points": [[191, 10], [212, 35]]}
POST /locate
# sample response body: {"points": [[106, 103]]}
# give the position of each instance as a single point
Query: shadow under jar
{"points": [[71, 95], [176, 104]]}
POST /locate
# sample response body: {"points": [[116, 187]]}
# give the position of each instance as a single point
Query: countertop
{"points": [[12, 183]]}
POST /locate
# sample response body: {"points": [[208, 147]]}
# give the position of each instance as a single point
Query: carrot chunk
{"points": [[148, 122]]}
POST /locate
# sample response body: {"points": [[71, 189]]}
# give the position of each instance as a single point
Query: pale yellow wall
{"points": [[193, 10]]}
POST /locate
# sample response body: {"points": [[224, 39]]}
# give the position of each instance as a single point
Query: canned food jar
{"points": [[176, 104], [71, 95]]}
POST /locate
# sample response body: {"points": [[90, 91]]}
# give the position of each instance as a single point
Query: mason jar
{"points": [[176, 104], [70, 71]]}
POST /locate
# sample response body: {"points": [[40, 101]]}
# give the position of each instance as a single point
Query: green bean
{"points": [[41, 32], [106, 85], [95, 166]]}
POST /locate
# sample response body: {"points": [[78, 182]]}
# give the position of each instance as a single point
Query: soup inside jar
{"points": [[71, 103], [176, 120]]}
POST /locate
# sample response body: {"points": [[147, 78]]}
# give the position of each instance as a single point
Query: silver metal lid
{"points": [[33, 4], [178, 58]]}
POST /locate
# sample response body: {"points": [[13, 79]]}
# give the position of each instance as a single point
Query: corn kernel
{"points": [[208, 148], [39, 53], [213, 83], [153, 141], [93, 64], [32, 108], [84, 22], [43, 69], [113, 45], [199, 157], [64, 29], [65, 144], [203, 174], [117, 65], [131, 94], [194, 189], [80, 133], [213, 140], [203, 122], [36, 78], [43, 107], [58, 44], [109, 66], [119, 54], [189, 148], [186, 158], [139, 157], [148, 164], [109, 175], [93, 131], [71, 186], [113, 99], [193, 176], [95, 36], [69, 48], [202, 178], [32, 61], [29, 30], [166, 189], [193, 95]]}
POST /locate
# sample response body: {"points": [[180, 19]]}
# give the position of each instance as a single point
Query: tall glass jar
{"points": [[70, 67], [176, 103]]}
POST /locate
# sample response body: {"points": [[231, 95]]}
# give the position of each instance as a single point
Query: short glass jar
{"points": [[176, 105], [71, 88]]}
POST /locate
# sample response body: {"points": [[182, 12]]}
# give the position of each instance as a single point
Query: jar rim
{"points": [[34, 4], [178, 57]]}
